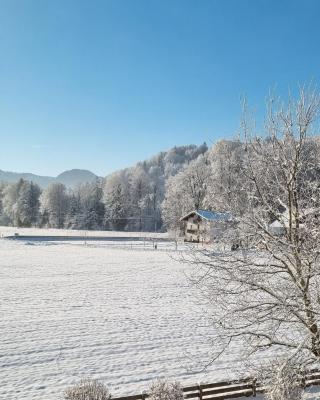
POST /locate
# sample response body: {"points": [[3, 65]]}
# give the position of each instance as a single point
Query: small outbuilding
{"points": [[202, 226], [280, 226]]}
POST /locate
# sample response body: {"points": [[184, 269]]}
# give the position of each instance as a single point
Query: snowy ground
{"points": [[8, 230], [123, 316]]}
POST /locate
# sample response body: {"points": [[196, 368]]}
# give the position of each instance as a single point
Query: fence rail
{"points": [[229, 389]]}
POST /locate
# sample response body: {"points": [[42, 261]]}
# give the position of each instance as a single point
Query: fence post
{"points": [[200, 391], [254, 387], [144, 395]]}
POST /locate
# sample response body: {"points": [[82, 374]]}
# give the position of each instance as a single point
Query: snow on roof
{"points": [[210, 215], [276, 224]]}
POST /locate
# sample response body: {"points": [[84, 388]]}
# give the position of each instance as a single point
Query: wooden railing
{"points": [[229, 389]]}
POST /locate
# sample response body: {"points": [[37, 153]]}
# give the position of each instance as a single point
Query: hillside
{"points": [[75, 177], [129, 199], [12, 177], [68, 178]]}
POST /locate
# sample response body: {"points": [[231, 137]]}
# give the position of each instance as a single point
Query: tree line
{"points": [[151, 196], [130, 199]]}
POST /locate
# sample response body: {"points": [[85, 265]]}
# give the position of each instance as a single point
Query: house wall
{"points": [[196, 229]]}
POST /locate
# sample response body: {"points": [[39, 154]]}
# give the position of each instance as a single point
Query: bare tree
{"points": [[266, 293]]}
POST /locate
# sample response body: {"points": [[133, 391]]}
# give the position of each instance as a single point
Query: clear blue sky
{"points": [[102, 84]]}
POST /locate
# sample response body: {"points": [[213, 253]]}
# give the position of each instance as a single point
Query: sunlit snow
{"points": [[124, 316]]}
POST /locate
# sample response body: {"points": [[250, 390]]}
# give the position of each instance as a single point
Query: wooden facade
{"points": [[203, 226]]}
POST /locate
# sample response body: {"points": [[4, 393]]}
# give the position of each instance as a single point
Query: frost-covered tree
{"points": [[54, 205], [87, 389], [116, 198], [178, 157], [74, 215], [21, 203], [2, 187], [92, 206], [186, 191], [4, 219], [155, 203], [116, 213], [266, 293], [226, 176], [139, 196], [163, 389], [282, 380], [10, 200], [177, 201], [143, 188], [27, 206]]}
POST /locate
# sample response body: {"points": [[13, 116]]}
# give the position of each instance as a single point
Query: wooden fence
{"points": [[229, 389]]}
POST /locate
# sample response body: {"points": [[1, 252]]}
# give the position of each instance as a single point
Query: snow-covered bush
{"points": [[283, 381], [87, 389], [165, 390]]}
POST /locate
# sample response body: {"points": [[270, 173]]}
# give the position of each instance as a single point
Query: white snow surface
{"points": [[123, 316], [68, 311], [9, 230]]}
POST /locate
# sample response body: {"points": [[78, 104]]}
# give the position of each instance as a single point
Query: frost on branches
{"points": [[165, 390], [283, 380], [87, 389], [266, 293]]}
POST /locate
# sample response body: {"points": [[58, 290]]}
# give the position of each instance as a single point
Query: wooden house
{"points": [[203, 226]]}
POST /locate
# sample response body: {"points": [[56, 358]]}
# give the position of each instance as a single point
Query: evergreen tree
{"points": [[115, 209]]}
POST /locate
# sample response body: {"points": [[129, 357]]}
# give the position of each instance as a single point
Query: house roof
{"points": [[277, 224], [210, 215]]}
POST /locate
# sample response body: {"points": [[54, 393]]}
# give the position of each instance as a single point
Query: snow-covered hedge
{"points": [[165, 390], [87, 389]]}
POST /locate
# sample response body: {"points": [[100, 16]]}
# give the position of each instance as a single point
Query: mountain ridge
{"points": [[69, 178], [175, 156]]}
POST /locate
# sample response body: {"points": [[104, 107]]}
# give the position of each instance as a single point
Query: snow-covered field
{"points": [[70, 310], [9, 230], [123, 316]]}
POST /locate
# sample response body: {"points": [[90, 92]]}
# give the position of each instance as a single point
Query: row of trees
{"points": [[208, 182], [130, 199], [151, 196], [24, 204], [134, 196]]}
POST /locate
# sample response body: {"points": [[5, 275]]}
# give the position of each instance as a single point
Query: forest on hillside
{"points": [[151, 196], [129, 199]]}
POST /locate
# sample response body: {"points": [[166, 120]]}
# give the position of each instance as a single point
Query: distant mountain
{"points": [[75, 177], [11, 177], [68, 178]]}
